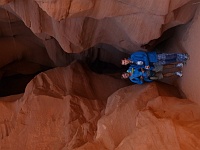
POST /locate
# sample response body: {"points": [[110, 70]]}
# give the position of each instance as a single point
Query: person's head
{"points": [[125, 75], [125, 61]]}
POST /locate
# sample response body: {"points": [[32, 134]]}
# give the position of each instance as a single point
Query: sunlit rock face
{"points": [[60, 108], [74, 108], [148, 119]]}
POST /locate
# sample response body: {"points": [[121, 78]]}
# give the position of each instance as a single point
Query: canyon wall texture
{"points": [[74, 26], [78, 25], [71, 107], [74, 108]]}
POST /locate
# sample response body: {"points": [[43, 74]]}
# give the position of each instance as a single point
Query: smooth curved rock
{"points": [[70, 108], [123, 24]]}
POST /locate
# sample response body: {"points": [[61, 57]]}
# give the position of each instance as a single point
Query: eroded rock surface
{"points": [[79, 25], [73, 108]]}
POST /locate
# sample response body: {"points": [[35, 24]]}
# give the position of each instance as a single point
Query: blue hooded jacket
{"points": [[136, 73], [146, 57]]}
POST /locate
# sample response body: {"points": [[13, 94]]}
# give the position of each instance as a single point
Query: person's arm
{"points": [[145, 59], [141, 56], [137, 80], [147, 80]]}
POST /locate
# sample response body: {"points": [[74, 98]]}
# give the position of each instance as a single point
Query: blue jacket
{"points": [[136, 73], [146, 57]]}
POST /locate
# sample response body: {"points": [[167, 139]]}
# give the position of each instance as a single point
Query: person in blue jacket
{"points": [[140, 75], [147, 60], [136, 75]]}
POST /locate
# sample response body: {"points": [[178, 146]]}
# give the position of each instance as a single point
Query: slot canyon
{"points": [[60, 75]]}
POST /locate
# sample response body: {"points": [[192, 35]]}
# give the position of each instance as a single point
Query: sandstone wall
{"points": [[79, 25], [73, 108]]}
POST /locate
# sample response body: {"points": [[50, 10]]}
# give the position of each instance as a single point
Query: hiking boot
{"points": [[179, 65], [179, 73]]}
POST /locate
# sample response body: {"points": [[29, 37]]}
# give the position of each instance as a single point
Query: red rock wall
{"points": [[19, 43], [124, 24], [73, 108]]}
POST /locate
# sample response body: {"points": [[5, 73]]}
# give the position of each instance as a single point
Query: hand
{"points": [[147, 67]]}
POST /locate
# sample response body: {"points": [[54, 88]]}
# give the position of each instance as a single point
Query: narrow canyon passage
{"points": [[60, 75], [16, 75], [24, 55], [44, 51]]}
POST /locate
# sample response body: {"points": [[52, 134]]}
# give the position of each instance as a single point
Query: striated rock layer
{"points": [[73, 108], [74, 26], [78, 25]]}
